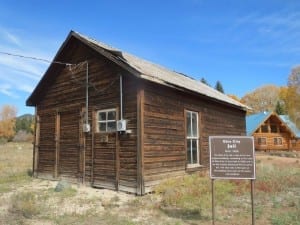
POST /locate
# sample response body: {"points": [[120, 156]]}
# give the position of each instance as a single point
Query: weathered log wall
{"points": [[64, 150], [155, 147], [164, 130]]}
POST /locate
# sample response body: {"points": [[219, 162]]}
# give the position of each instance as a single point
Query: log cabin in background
{"points": [[273, 132], [144, 122]]}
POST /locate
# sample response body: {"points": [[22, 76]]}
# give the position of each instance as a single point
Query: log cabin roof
{"points": [[253, 122], [141, 68], [286, 119]]}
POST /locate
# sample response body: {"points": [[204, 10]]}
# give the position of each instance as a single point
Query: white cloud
{"points": [[6, 90], [19, 74], [29, 69], [10, 37], [26, 88]]}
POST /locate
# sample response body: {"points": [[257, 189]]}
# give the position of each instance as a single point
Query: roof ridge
{"points": [[160, 74]]}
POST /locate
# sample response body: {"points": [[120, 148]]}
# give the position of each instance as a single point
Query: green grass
{"points": [[286, 218]]}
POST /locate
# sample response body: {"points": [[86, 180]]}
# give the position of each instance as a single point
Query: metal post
{"points": [[252, 201], [121, 97], [212, 201], [87, 94]]}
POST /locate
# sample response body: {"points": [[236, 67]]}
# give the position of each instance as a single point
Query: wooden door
{"points": [[68, 151], [45, 156], [104, 162]]}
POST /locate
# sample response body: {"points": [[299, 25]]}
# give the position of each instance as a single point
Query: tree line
{"points": [[283, 100]]}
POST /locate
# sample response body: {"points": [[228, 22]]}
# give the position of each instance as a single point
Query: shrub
{"points": [[23, 136], [25, 204]]}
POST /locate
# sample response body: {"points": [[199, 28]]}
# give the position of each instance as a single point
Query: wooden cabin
{"points": [[109, 119], [272, 132]]}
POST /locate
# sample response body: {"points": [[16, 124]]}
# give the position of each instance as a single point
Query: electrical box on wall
{"points": [[86, 128], [121, 125]]}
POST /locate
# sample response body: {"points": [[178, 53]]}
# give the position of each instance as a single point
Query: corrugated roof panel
{"points": [[158, 74], [254, 121], [286, 119]]}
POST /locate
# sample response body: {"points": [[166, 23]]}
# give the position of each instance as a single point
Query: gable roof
{"points": [[286, 119], [143, 69], [254, 121]]}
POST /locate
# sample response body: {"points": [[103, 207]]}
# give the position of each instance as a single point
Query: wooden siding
{"points": [[69, 144], [46, 149], [164, 142], [63, 149], [272, 129], [270, 145], [155, 147], [295, 144]]}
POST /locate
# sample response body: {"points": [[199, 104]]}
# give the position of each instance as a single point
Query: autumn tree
{"points": [[7, 121], [293, 95], [262, 99], [234, 97], [219, 87]]}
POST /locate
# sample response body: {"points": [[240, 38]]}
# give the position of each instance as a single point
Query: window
{"points": [[262, 141], [264, 129], [278, 141], [273, 129], [192, 137], [106, 120]]}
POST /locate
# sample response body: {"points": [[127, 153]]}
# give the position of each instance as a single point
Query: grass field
{"points": [[178, 201]]}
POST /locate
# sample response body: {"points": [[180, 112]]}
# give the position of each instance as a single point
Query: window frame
{"points": [[259, 142], [277, 142], [273, 128], [191, 138], [264, 128], [106, 121]]}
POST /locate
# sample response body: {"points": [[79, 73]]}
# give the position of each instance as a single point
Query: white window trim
{"points": [[106, 121], [193, 165]]}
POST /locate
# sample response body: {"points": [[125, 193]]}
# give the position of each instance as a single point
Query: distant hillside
{"points": [[26, 116], [25, 123]]}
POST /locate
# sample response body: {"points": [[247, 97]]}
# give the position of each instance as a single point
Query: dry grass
{"points": [[15, 165], [180, 201]]}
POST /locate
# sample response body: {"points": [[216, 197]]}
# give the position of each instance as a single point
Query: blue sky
{"points": [[245, 44]]}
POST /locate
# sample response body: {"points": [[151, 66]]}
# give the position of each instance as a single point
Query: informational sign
{"points": [[232, 157]]}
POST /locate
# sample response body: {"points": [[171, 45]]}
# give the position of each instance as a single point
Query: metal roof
{"points": [[255, 120], [158, 74], [139, 67], [286, 119]]}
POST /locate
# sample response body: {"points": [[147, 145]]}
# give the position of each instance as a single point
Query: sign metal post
{"points": [[232, 157]]}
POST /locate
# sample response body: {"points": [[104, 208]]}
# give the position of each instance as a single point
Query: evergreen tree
{"points": [[279, 109], [24, 123], [219, 87], [204, 81]]}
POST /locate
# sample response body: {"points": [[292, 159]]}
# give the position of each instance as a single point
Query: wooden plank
{"points": [[140, 142], [57, 144], [36, 144], [117, 161]]}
